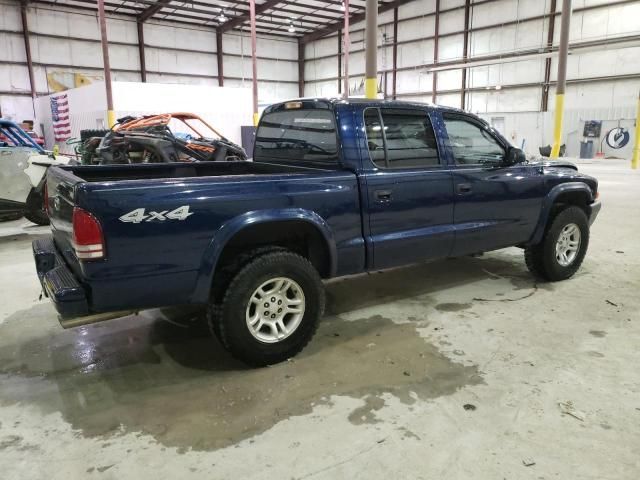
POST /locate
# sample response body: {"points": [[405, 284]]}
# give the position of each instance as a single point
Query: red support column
{"points": [[347, 47], [436, 53], [547, 63], [300, 68], [220, 57], [465, 53], [111, 120], [339, 61], [394, 76], [143, 61], [27, 48], [254, 60]]}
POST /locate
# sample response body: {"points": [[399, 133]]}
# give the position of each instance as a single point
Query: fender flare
{"points": [[549, 200], [232, 227]]}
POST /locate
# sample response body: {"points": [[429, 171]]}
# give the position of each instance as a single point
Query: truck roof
{"points": [[333, 101]]}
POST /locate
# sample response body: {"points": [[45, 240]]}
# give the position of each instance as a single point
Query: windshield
{"points": [[302, 135]]}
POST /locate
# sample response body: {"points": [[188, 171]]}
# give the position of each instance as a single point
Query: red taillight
{"points": [[88, 241]]}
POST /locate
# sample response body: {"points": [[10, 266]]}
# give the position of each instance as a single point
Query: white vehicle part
{"points": [[14, 184], [38, 165]]}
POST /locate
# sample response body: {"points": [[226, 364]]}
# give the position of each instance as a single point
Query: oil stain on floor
{"points": [[162, 374]]}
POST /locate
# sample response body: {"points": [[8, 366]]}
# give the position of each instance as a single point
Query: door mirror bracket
{"points": [[514, 156]]}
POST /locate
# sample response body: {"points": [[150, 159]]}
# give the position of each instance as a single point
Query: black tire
{"points": [[541, 259], [223, 279], [35, 212], [228, 320]]}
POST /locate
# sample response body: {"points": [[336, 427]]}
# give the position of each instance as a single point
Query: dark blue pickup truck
{"points": [[335, 188]]}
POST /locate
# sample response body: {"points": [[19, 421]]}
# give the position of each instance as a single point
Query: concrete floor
{"points": [[380, 392]]}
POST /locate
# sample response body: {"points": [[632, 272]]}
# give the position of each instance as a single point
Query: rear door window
{"points": [[400, 138], [298, 135]]}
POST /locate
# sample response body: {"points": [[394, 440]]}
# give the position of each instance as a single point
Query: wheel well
{"points": [[297, 236], [578, 199]]}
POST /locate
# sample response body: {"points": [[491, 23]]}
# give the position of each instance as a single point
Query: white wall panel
{"points": [[505, 100], [165, 35], [509, 38], [322, 89], [494, 13], [171, 61], [421, 7], [43, 20], [449, 79], [277, 48], [451, 21], [324, 46], [415, 29], [10, 18], [450, 48], [326, 67], [16, 108], [12, 49], [14, 77], [609, 94], [277, 70], [449, 100], [614, 20], [124, 57], [412, 81], [357, 63], [415, 53]]}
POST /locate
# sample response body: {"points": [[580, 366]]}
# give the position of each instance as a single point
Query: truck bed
{"points": [[155, 256], [106, 173]]}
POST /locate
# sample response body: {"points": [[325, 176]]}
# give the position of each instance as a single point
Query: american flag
{"points": [[60, 116]]}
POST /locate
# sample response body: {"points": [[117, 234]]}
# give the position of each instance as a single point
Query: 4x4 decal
{"points": [[140, 215]]}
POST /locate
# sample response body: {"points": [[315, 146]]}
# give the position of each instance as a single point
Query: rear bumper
{"points": [[58, 282], [595, 209]]}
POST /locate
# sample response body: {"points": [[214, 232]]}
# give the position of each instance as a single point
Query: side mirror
{"points": [[515, 156]]}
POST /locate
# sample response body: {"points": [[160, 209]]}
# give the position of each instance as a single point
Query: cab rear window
{"points": [[299, 135]]}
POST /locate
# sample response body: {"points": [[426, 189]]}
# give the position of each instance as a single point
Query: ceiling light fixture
{"points": [[222, 17], [291, 28], [342, 7]]}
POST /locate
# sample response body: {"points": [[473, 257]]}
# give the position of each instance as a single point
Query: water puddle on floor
{"points": [[161, 374]]}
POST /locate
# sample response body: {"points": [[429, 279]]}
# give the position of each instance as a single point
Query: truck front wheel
{"points": [[561, 252], [270, 310]]}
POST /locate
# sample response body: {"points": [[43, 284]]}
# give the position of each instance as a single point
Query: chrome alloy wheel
{"points": [[568, 244], [275, 310]]}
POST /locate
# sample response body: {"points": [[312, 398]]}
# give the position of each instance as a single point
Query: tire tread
{"points": [[218, 314]]}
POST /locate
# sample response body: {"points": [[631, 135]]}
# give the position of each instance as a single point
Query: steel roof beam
{"points": [[152, 10], [354, 18]]}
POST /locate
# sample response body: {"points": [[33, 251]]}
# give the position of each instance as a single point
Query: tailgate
{"points": [[61, 187]]}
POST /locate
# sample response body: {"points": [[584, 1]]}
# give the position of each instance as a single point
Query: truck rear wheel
{"points": [[270, 310], [563, 246]]}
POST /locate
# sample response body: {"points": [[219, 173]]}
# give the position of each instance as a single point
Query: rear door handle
{"points": [[463, 188], [383, 195]]}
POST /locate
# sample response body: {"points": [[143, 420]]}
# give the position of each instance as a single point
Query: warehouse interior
{"points": [[467, 367]]}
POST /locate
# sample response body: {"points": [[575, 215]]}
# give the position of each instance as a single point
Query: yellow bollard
{"points": [[111, 118], [371, 88], [635, 160], [557, 129]]}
